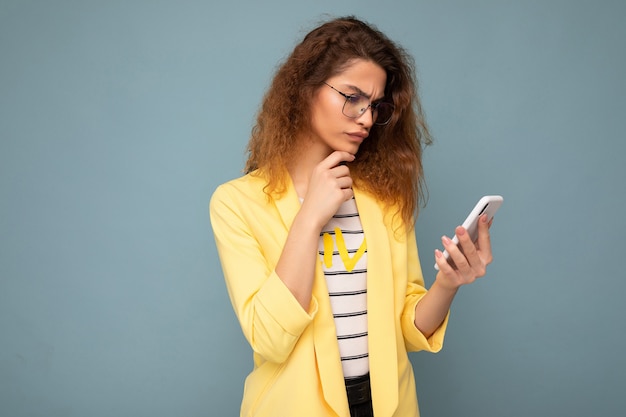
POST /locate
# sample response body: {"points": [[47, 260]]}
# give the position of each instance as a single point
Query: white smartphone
{"points": [[488, 204]]}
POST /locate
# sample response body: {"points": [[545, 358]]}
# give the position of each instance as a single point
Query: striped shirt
{"points": [[343, 251]]}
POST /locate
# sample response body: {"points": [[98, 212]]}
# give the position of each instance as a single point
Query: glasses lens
{"points": [[356, 105], [382, 113]]}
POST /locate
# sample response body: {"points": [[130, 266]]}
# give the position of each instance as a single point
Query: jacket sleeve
{"points": [[271, 318], [414, 339]]}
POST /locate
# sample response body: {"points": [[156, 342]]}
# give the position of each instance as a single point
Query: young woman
{"points": [[317, 240]]}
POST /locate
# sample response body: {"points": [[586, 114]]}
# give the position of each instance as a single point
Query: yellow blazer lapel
{"points": [[380, 307], [327, 349], [288, 206], [324, 333]]}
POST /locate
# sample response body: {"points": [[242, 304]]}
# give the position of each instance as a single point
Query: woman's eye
{"points": [[354, 98]]}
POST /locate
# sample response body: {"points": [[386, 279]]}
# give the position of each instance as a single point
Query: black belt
{"points": [[358, 389]]}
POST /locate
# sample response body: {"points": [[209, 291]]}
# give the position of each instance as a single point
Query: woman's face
{"points": [[331, 129]]}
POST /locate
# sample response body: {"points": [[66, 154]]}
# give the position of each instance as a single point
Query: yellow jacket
{"points": [[297, 367]]}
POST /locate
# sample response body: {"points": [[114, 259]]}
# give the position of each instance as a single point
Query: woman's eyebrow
{"points": [[357, 90], [362, 93]]}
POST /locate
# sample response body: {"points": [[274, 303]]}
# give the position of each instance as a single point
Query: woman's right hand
{"points": [[329, 186]]}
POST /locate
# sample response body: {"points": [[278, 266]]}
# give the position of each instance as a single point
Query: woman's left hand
{"points": [[468, 260]]}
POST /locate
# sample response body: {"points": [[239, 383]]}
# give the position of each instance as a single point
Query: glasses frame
{"points": [[372, 106]]}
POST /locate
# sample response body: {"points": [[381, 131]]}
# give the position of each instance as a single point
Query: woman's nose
{"points": [[367, 118]]}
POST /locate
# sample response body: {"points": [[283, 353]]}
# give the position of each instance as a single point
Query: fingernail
{"points": [[460, 231], [446, 240], [438, 253]]}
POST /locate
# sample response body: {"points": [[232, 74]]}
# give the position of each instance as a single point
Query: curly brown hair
{"points": [[388, 163]]}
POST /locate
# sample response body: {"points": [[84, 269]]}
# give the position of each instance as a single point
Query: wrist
{"points": [[312, 217], [443, 285], [307, 224]]}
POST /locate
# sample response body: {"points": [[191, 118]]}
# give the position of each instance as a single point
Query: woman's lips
{"points": [[358, 136]]}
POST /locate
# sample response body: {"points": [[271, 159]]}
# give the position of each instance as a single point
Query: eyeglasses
{"points": [[356, 105]]}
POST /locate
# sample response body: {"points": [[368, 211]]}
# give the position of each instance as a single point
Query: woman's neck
{"points": [[301, 167]]}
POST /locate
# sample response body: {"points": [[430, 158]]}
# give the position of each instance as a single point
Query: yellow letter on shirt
{"points": [[349, 263]]}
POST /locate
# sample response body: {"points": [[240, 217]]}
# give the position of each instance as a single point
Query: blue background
{"points": [[119, 118]]}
